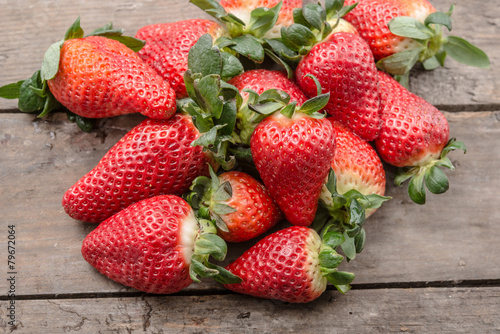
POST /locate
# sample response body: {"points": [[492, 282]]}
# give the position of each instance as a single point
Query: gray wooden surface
{"points": [[431, 268]]}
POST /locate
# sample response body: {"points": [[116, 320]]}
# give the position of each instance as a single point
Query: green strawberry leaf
{"points": [[50, 63], [360, 241], [212, 245], [340, 278], [453, 145], [315, 104], [416, 189], [85, 124], [75, 31], [297, 36], [465, 53], [438, 18], [231, 66], [333, 239], [400, 63], [315, 15], [204, 58], [349, 247], [431, 63], [11, 91], [228, 118], [406, 26], [29, 100], [207, 139], [224, 276], [329, 258], [107, 27], [289, 110], [445, 162], [343, 288], [436, 180], [132, 43], [207, 91], [223, 192], [222, 209], [262, 19], [278, 60], [249, 47]]}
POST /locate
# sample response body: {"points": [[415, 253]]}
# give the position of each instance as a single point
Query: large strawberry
{"points": [[239, 204], [344, 66], [414, 31], [414, 135], [292, 265], [155, 157], [292, 152], [157, 246], [168, 44]]}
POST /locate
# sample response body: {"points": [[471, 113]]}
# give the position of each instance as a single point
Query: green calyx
{"points": [[208, 198], [429, 176], [433, 46], [212, 102], [34, 94], [209, 244], [344, 215]]}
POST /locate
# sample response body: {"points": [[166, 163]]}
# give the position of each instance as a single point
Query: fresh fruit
{"points": [[168, 44], [401, 33], [157, 246], [155, 157], [242, 9], [345, 68], [292, 265], [414, 135], [292, 155], [241, 206]]}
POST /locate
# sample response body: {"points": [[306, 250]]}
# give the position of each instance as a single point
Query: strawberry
{"points": [[414, 135], [292, 152], [155, 157], [344, 67], [156, 246], [414, 31], [168, 44], [96, 76], [243, 9], [239, 204], [292, 265]]}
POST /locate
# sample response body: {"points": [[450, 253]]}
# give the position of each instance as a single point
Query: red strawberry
{"points": [[287, 265], [414, 134], [414, 30], [168, 44], [345, 68], [155, 157], [150, 246], [99, 77], [243, 8], [293, 155], [241, 206]]}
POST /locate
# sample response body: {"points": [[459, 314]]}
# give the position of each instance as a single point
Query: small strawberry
{"points": [[241, 207], [168, 44], [344, 66], [155, 157], [292, 152], [414, 135], [157, 246], [414, 31], [292, 265]]}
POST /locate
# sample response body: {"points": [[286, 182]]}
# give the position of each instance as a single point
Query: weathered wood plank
{"points": [[429, 310], [453, 237], [28, 27]]}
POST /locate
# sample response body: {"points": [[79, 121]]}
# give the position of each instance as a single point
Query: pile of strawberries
{"points": [[275, 113]]}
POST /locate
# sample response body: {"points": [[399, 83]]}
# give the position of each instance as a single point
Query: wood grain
{"points": [[453, 237], [429, 310], [28, 27]]}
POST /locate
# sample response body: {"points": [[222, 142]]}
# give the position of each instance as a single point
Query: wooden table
{"points": [[432, 268]]}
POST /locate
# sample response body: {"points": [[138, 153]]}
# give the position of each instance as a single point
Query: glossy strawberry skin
{"points": [[154, 158], [261, 80], [168, 44], [371, 17], [293, 158], [146, 246], [99, 77], [284, 266], [356, 163], [243, 8], [414, 132], [256, 211], [345, 68]]}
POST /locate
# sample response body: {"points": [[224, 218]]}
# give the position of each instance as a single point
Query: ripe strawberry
{"points": [[345, 68], [414, 31], [240, 205], [168, 44], [155, 157], [243, 8], [97, 76], [414, 134], [151, 246], [292, 156], [292, 265]]}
